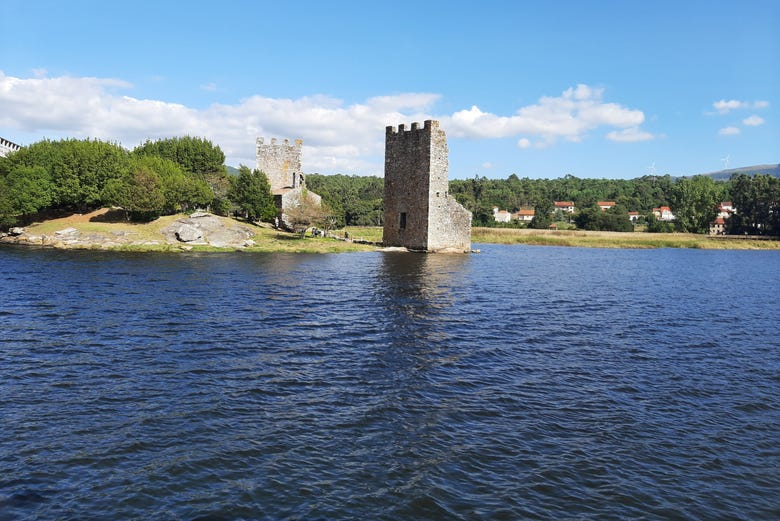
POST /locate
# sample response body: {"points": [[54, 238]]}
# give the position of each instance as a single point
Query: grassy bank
{"points": [[616, 239], [126, 236], [588, 239]]}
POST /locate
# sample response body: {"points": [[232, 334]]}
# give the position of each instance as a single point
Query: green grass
{"points": [[270, 240]]}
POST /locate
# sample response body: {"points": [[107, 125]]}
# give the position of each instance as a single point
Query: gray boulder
{"points": [[188, 233]]}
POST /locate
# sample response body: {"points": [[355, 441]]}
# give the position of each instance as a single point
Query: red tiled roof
{"points": [[564, 203], [606, 203]]}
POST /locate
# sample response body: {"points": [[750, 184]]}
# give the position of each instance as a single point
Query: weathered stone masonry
{"points": [[281, 163], [419, 212]]}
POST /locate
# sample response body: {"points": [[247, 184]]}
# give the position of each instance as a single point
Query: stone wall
{"points": [[419, 212], [281, 163]]}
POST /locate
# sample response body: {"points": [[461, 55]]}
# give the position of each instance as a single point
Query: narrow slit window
{"points": [[402, 223]]}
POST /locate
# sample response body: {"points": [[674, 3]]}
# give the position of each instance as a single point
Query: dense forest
{"points": [[178, 174]]}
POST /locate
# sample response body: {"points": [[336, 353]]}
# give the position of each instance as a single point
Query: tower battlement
{"points": [[428, 125]]}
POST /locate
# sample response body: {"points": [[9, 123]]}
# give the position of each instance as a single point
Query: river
{"points": [[519, 383]]}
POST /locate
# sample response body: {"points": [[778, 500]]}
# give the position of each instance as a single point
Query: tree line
{"points": [[357, 200]]}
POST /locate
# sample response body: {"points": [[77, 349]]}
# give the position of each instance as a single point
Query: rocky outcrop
{"points": [[205, 228]]}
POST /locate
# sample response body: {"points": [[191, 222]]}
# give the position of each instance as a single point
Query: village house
{"points": [[633, 217], [718, 226], [605, 205], [663, 213], [524, 215], [725, 209], [501, 216], [566, 206]]}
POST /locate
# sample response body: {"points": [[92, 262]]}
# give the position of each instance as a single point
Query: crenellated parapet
{"points": [[6, 147], [429, 125]]}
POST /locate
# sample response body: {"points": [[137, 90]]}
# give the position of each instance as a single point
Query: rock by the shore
{"points": [[188, 233]]}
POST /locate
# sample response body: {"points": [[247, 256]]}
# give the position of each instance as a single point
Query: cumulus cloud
{"points": [[725, 106], [338, 137], [753, 121], [729, 131], [570, 116]]}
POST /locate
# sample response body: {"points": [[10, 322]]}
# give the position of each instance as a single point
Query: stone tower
{"points": [[281, 163], [419, 212]]}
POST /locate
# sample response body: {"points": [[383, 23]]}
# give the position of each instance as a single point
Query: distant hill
{"points": [[231, 170], [725, 175]]}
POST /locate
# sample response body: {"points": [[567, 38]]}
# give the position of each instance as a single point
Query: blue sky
{"points": [[541, 89]]}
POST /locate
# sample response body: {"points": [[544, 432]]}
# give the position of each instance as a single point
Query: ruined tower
{"points": [[280, 162], [419, 213]]}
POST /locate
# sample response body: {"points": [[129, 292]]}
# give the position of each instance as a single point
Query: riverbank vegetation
{"points": [[176, 175], [593, 239]]}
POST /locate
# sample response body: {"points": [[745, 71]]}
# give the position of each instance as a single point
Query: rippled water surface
{"points": [[519, 383]]}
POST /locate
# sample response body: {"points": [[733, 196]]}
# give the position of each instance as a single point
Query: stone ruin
{"points": [[419, 212], [281, 163]]}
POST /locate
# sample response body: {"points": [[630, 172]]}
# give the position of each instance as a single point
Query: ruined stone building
{"points": [[419, 213], [281, 163]]}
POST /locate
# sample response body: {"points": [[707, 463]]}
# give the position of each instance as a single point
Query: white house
{"points": [[566, 206], [501, 216], [664, 213]]}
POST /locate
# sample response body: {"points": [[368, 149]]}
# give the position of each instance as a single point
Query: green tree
{"points": [[195, 155], [140, 193], [251, 192], [694, 201], [757, 203], [78, 169], [27, 189], [543, 214], [306, 212]]}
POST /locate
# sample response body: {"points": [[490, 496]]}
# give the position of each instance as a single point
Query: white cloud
{"points": [[577, 111], [729, 131], [630, 135], [753, 121], [725, 106], [209, 87], [337, 137]]}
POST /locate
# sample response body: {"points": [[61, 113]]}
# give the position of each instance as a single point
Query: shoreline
{"points": [[204, 232]]}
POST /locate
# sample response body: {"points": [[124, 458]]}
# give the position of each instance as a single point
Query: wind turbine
{"points": [[725, 161]]}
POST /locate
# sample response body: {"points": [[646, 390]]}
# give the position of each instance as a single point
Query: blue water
{"points": [[519, 383]]}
